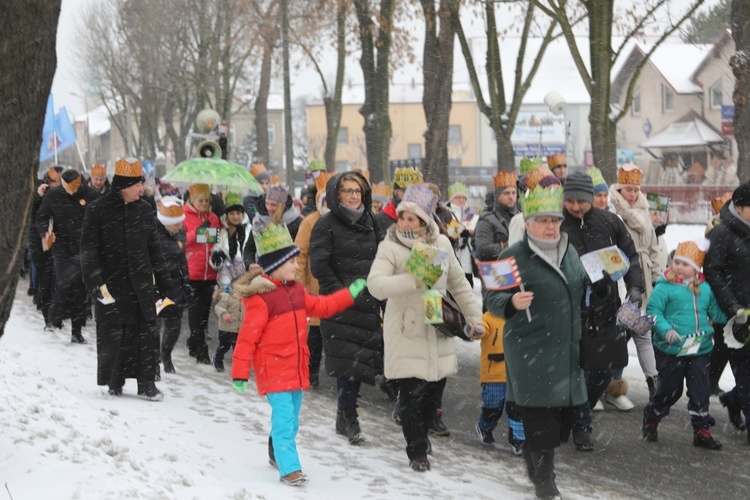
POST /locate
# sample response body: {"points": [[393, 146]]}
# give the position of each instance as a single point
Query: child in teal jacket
{"points": [[684, 307]]}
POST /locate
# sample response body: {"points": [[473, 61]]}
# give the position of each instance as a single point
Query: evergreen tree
{"points": [[705, 27]]}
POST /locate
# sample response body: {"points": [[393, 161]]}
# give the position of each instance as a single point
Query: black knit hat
{"points": [[741, 195], [578, 186], [274, 260]]}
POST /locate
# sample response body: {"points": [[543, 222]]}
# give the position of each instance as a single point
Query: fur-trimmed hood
{"points": [[253, 282]]}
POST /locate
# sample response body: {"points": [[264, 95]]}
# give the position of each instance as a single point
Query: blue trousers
{"points": [[673, 370], [493, 401], [740, 394], [285, 408]]}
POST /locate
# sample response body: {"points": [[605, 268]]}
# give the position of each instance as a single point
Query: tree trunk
{"points": [[374, 65], [333, 103], [741, 69], [438, 85], [262, 152], [505, 155], [27, 62], [603, 128]]}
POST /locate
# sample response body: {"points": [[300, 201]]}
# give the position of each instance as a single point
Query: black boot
{"points": [[530, 467], [734, 411], [347, 424], [652, 383], [77, 338], [149, 392], [168, 365], [437, 426], [544, 465], [271, 455]]}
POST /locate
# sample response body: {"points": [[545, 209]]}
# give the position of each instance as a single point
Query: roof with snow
{"points": [[97, 120], [690, 130]]}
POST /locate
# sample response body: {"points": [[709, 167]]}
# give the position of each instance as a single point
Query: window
{"points": [[667, 99], [343, 137], [635, 107], [454, 134], [716, 94], [415, 151], [271, 134]]}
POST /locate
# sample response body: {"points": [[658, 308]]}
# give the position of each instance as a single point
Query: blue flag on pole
{"points": [[48, 147], [59, 137]]}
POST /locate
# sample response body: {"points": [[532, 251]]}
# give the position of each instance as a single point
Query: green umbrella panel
{"points": [[213, 171]]}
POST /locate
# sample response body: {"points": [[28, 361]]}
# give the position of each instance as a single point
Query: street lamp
{"points": [[88, 137]]}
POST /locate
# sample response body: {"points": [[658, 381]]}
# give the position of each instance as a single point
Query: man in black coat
{"points": [[727, 269], [63, 208], [590, 229], [121, 257], [43, 264]]}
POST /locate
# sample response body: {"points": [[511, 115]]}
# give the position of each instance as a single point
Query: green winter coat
{"points": [[677, 308], [542, 357]]}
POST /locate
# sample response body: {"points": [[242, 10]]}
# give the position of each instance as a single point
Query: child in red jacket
{"points": [[273, 339]]}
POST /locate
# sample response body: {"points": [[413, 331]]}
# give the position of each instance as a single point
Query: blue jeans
{"points": [[740, 393], [285, 408], [596, 383], [493, 401], [673, 370]]}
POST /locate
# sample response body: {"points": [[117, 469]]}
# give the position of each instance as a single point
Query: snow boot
{"points": [[582, 441], [652, 383], [485, 437], [616, 395], [544, 465], [420, 464], [735, 414], [437, 426], [703, 439], [77, 338], [296, 478], [168, 365], [347, 424], [150, 393], [218, 363], [649, 431]]}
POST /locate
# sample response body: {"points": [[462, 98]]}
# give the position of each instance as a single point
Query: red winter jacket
{"points": [[199, 254], [273, 336]]}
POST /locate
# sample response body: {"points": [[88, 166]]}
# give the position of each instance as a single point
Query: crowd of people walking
{"points": [[345, 282]]}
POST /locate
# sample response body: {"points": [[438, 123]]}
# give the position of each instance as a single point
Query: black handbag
{"points": [[454, 322], [604, 352]]}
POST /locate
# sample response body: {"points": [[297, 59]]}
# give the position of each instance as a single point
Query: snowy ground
{"points": [[61, 436]]}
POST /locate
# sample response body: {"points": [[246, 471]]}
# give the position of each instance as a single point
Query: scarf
{"points": [[548, 247], [352, 214], [636, 217], [428, 235]]}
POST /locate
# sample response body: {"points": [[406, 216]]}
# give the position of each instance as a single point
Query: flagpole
{"points": [[54, 139], [528, 314], [80, 155]]}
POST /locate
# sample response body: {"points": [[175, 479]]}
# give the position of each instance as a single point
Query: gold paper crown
{"points": [[527, 164], [275, 180], [365, 173], [596, 176], [173, 210], [380, 189], [273, 237], [689, 250], [556, 160], [541, 200], [536, 175], [98, 170], [717, 203], [129, 167], [72, 185], [321, 180], [405, 177], [504, 179], [629, 174], [456, 188], [257, 168], [53, 174], [197, 189]]}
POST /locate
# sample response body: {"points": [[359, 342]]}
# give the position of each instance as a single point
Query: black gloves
{"points": [[188, 289], [660, 229], [635, 295]]}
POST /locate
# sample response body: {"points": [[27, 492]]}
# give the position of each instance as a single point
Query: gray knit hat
{"points": [[578, 186]]}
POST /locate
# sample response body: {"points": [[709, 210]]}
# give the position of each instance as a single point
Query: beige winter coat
{"points": [[641, 229], [412, 347], [229, 303]]}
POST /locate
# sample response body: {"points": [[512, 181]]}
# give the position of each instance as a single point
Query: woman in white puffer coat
{"points": [[416, 354]]}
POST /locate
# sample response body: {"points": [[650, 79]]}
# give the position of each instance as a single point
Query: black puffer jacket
{"points": [[173, 247], [727, 267], [120, 248], [340, 252], [599, 229], [491, 233]]}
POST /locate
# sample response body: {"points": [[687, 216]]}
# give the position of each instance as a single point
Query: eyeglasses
{"points": [[349, 192], [546, 221]]}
